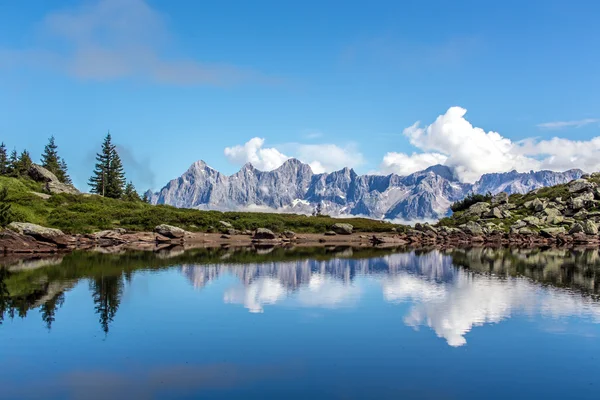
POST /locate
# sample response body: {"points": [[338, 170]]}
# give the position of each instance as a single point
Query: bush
{"points": [[468, 201]]}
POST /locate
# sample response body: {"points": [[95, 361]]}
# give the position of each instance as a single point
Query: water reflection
{"points": [[451, 291]]}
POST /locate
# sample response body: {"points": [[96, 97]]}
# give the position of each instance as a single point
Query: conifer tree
{"points": [[3, 160], [63, 174], [50, 159], [130, 194], [13, 163], [108, 178], [24, 163]]}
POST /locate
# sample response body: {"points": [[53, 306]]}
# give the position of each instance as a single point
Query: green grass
{"points": [[89, 213]]}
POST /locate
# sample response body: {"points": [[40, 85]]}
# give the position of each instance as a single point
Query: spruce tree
{"points": [[130, 194], [50, 159], [24, 163], [116, 176], [63, 174], [13, 162], [108, 178], [3, 160]]}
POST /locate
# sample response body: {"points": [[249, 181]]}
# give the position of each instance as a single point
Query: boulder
{"points": [[478, 209], [225, 224], [576, 228], [289, 234], [263, 233], [538, 205], [472, 228], [170, 231], [56, 187], [580, 185], [13, 242], [552, 232], [41, 233], [41, 174], [500, 198], [495, 212], [342, 229], [590, 228]]}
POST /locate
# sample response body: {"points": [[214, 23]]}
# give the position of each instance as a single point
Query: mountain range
{"points": [[293, 187]]}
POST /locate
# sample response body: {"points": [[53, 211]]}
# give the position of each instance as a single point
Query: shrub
{"points": [[468, 201]]}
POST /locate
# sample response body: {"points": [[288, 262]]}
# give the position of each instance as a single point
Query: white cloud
{"points": [[321, 157], [471, 151], [111, 39], [264, 159], [404, 164], [568, 124]]}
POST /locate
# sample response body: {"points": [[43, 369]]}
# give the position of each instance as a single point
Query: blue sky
{"points": [[334, 83]]}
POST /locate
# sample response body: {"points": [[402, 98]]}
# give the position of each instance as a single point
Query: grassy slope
{"points": [[89, 213], [520, 212]]}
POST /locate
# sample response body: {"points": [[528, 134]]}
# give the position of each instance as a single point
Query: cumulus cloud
{"points": [[471, 151], [568, 124], [321, 157], [404, 164], [111, 39], [265, 159]]}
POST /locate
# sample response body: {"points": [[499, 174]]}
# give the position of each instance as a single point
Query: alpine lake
{"points": [[302, 323]]}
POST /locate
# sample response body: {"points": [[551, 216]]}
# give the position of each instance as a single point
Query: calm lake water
{"points": [[307, 323]]}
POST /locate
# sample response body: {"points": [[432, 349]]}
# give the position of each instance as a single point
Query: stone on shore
{"points": [[342, 229], [170, 231], [264, 234], [41, 233], [289, 234]]}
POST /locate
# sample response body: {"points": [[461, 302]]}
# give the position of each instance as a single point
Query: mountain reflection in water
{"points": [[449, 291]]}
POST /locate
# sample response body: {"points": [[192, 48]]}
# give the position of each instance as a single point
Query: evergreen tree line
{"points": [[17, 165], [108, 178]]}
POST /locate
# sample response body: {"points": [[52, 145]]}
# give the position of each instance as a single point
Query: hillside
{"points": [[571, 209], [85, 213]]}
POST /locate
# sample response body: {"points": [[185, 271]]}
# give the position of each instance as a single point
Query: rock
{"points": [[590, 228], [342, 229], [552, 232], [59, 187], [330, 233], [554, 220], [495, 213], [289, 234], [225, 224], [263, 233], [500, 198], [41, 174], [13, 242], [170, 231], [225, 237], [579, 202], [50, 235], [525, 231], [538, 205], [472, 228], [478, 209], [531, 220], [109, 234], [576, 228], [580, 185], [551, 212], [232, 231]]}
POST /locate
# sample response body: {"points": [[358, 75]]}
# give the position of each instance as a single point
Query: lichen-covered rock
{"points": [[264, 234], [289, 234], [500, 198], [552, 232], [38, 232], [576, 228], [170, 231], [472, 228], [478, 209], [580, 185], [538, 205], [342, 229], [225, 224], [330, 233], [56, 187], [590, 228]]}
